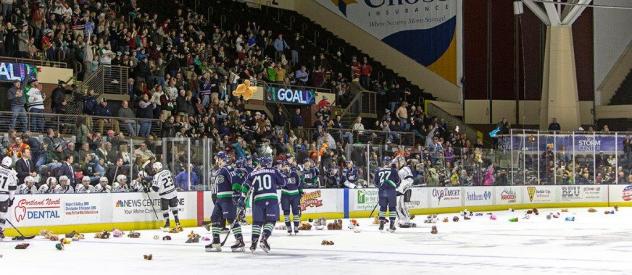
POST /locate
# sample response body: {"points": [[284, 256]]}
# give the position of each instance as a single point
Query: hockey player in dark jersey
{"points": [[264, 182], [350, 175], [387, 180], [225, 208], [309, 174], [238, 176], [291, 196]]}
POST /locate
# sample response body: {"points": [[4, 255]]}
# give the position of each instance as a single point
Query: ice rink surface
{"points": [[594, 243]]}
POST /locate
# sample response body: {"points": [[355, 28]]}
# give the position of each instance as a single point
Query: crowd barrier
{"points": [[62, 213]]}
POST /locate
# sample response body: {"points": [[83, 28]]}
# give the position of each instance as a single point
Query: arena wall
{"points": [[62, 213]]}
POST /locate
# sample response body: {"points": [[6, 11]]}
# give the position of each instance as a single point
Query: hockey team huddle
{"points": [[233, 184]]}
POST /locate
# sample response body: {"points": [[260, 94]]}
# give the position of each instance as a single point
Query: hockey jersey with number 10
{"points": [[264, 183], [163, 184]]}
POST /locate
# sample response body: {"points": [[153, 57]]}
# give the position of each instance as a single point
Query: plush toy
{"points": [[245, 90]]}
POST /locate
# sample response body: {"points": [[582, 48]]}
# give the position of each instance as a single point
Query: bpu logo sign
{"points": [[570, 191], [33, 209]]}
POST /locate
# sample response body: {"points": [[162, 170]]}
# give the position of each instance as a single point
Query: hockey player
{"points": [[291, 197], [264, 182], [46, 187], [404, 192], [120, 185], [28, 187], [350, 175], [64, 186], [387, 180], [8, 185], [238, 176], [310, 174], [162, 183], [225, 209], [85, 186], [53, 186], [103, 186]]}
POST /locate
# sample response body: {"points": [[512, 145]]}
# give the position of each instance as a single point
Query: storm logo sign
{"points": [[423, 30]]}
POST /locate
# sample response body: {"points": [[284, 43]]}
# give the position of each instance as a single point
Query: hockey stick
{"points": [[21, 237], [152, 204], [374, 207], [236, 221]]}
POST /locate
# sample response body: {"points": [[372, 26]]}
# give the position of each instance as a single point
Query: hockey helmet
{"points": [[85, 179], [265, 162], [6, 162], [64, 179], [386, 161], [51, 181], [121, 179], [157, 166], [105, 180], [29, 179]]}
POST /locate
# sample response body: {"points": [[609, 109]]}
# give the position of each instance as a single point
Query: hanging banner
{"points": [[424, 30]]}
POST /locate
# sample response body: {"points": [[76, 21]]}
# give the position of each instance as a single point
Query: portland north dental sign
{"points": [[290, 95]]}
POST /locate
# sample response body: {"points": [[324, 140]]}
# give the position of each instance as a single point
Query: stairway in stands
{"points": [[623, 95]]}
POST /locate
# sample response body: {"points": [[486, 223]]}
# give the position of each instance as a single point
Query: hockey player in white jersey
{"points": [[28, 187], [162, 183], [46, 187], [120, 185], [404, 192], [103, 186], [85, 186], [8, 185], [64, 186]]}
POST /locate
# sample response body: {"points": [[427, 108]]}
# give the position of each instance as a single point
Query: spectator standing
{"points": [[58, 102], [554, 126], [402, 115], [365, 73], [104, 111], [36, 106], [280, 46], [7, 8], [17, 100], [130, 123], [145, 111]]}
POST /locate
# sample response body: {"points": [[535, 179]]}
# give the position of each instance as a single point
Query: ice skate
{"points": [[382, 226], [239, 246], [264, 245], [295, 231], [166, 227], [214, 247], [253, 247], [392, 228]]}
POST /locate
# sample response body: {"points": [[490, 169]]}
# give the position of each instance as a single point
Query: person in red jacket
{"points": [[365, 73]]}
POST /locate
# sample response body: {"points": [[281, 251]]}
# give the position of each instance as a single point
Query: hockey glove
{"points": [[11, 201]]}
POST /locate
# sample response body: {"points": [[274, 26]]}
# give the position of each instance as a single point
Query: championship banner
{"points": [[290, 95], [423, 30], [17, 71]]}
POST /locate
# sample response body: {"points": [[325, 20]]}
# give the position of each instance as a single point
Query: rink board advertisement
{"points": [[507, 195], [423, 30], [441, 197], [35, 210], [93, 212], [477, 196]]}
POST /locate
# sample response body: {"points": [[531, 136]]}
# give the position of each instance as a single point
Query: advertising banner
{"points": [[321, 201], [445, 197], [419, 198], [507, 195], [540, 194], [363, 199], [583, 193], [128, 207], [478, 196], [423, 30], [17, 71], [290, 95], [55, 209], [581, 144], [620, 193]]}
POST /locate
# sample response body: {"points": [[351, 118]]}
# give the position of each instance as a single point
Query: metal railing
{"points": [[358, 136], [436, 111], [66, 124], [115, 79], [35, 62]]}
